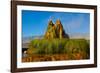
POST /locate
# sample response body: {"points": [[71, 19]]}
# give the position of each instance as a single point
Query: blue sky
{"points": [[34, 23]]}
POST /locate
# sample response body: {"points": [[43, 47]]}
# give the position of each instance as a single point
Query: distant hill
{"points": [[80, 36], [28, 39]]}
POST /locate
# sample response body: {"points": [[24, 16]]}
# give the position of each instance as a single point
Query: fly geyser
{"points": [[55, 30]]}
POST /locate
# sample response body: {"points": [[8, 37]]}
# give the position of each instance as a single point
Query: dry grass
{"points": [[56, 57]]}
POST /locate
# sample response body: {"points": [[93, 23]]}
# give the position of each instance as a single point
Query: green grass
{"points": [[59, 46]]}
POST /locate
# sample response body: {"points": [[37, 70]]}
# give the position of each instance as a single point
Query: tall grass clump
{"points": [[72, 47], [80, 47]]}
